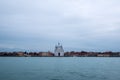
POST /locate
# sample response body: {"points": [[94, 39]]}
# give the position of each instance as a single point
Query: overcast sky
{"points": [[90, 25]]}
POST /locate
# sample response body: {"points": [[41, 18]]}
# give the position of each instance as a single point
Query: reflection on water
{"points": [[59, 68]]}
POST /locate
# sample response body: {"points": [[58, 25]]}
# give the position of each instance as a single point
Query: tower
{"points": [[59, 50]]}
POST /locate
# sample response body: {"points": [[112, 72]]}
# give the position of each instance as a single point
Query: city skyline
{"points": [[87, 25]]}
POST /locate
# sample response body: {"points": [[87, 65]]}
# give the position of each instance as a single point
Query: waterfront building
{"points": [[103, 55], [46, 54], [59, 51], [20, 54]]}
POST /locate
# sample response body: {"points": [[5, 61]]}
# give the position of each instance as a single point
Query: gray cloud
{"points": [[78, 24]]}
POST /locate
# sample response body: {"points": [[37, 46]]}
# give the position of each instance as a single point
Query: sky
{"points": [[79, 25]]}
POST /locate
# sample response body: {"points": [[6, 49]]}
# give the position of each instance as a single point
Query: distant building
{"points": [[103, 55], [59, 50], [21, 54], [46, 54]]}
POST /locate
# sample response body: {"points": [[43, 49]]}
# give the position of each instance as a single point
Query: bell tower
{"points": [[59, 50]]}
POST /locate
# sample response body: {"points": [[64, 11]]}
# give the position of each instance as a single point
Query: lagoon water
{"points": [[59, 68]]}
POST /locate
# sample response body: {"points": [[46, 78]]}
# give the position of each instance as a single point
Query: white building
{"points": [[59, 50]]}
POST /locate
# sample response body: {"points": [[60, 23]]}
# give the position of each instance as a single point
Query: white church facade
{"points": [[59, 51]]}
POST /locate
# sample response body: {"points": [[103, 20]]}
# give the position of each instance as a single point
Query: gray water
{"points": [[59, 68]]}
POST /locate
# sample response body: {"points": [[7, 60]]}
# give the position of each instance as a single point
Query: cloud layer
{"points": [[90, 25]]}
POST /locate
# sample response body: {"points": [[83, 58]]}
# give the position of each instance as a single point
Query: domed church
{"points": [[59, 50]]}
